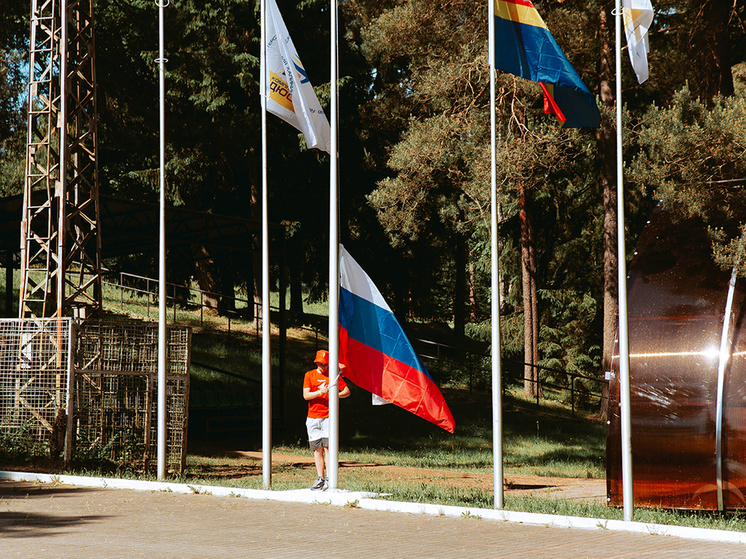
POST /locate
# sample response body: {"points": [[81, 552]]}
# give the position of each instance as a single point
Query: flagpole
{"points": [[266, 324], [278, 59], [332, 461], [624, 376], [497, 426], [161, 449]]}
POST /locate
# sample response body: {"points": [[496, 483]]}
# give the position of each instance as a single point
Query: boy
{"points": [[316, 391]]}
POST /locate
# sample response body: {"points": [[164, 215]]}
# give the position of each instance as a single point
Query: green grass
{"points": [[543, 441], [293, 476]]}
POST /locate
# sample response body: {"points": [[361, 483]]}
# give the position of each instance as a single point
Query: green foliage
{"points": [[99, 455], [564, 341], [211, 79], [432, 165], [430, 89], [693, 157], [429, 109], [20, 445], [687, 145], [703, 40], [12, 166], [438, 186], [414, 146], [13, 57]]}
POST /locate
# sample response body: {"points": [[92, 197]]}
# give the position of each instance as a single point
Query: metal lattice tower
{"points": [[60, 231]]}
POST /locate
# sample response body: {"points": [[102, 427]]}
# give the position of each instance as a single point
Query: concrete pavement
{"points": [[64, 518]]}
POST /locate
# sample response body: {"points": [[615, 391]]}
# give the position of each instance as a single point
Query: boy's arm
{"points": [[307, 388], [308, 395], [343, 392]]}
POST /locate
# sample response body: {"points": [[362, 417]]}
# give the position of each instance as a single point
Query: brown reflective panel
{"points": [[734, 419], [676, 302]]}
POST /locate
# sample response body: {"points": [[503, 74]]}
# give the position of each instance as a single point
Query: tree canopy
{"points": [[414, 147], [13, 47]]}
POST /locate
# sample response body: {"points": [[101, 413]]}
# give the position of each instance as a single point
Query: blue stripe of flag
{"points": [[531, 52], [377, 328]]}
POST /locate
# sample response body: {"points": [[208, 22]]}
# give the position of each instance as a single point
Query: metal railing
{"points": [[473, 362], [542, 385], [179, 294]]}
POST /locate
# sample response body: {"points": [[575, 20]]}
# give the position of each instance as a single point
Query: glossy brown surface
{"points": [[676, 301]]}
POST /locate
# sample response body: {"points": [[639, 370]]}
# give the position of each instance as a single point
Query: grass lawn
{"points": [[537, 441]]}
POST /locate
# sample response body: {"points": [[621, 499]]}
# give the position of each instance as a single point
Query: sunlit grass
{"points": [[434, 490], [544, 440]]}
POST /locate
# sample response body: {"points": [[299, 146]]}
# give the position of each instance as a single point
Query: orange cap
{"points": [[322, 356]]}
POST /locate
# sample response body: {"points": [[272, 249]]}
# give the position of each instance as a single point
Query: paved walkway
{"points": [[60, 520]]}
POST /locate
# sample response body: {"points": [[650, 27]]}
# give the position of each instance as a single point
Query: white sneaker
{"points": [[319, 484]]}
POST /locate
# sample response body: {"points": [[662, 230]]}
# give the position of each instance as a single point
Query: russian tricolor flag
{"points": [[377, 353]]}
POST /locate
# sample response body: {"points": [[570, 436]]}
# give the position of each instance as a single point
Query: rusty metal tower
{"points": [[60, 229]]}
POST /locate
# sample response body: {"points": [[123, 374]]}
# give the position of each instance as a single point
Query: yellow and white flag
{"points": [[289, 94], [638, 17]]}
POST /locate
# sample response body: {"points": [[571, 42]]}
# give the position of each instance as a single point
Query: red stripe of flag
{"points": [[394, 381], [550, 105]]}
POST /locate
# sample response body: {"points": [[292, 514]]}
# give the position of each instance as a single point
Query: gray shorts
{"points": [[318, 432]]}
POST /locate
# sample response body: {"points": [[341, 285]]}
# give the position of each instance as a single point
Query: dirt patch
{"points": [[218, 463], [588, 490]]}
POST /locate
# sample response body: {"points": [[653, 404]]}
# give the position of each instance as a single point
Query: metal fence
{"points": [[176, 295], [34, 376], [111, 410], [116, 388], [575, 389]]}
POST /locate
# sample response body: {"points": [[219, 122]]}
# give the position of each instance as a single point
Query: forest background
{"points": [[414, 153]]}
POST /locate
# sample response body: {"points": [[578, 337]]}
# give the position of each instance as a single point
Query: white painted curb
{"points": [[363, 500]]}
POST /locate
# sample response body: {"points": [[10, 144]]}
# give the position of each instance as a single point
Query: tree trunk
{"points": [[473, 308], [716, 17], [296, 297], [459, 299], [530, 307], [606, 149], [205, 272], [255, 213], [295, 257], [227, 286]]}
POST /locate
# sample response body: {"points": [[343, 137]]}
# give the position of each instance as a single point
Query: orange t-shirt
{"points": [[319, 406]]}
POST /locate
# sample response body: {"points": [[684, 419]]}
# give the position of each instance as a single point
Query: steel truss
{"points": [[60, 231]]}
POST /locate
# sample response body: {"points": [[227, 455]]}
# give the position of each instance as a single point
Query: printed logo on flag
{"points": [[301, 71], [279, 92]]}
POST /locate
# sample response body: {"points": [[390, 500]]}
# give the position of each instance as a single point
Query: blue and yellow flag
{"points": [[525, 47]]}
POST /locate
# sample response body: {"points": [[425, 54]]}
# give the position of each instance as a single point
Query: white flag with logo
{"points": [[289, 94], [638, 17]]}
